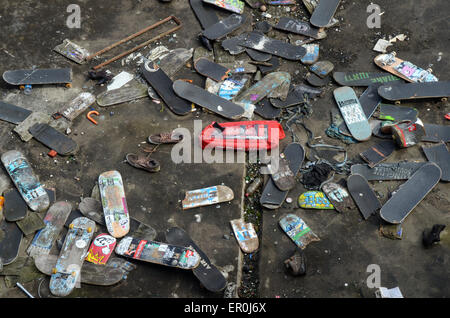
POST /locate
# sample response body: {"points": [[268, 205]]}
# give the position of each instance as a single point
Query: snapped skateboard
{"points": [[397, 113], [90, 274], [436, 133], [162, 84], [14, 208], [211, 70], [25, 180], [66, 273], [312, 54], [10, 239], [38, 77], [411, 193], [378, 152], [314, 200], [246, 236], [410, 91], [12, 113], [324, 12], [299, 27], [404, 69], [236, 6], [387, 171], [72, 51], [129, 92], [271, 66], [352, 112], [53, 139], [244, 135], [369, 101], [272, 197], [54, 222], [205, 14], [364, 78], [224, 27], [233, 86], [363, 195], [158, 253], [212, 102], [172, 61], [317, 81], [77, 106], [257, 55], [101, 249], [322, 68], [297, 230], [114, 203], [265, 109], [440, 156], [281, 174], [338, 196], [208, 274], [207, 196], [297, 96]]}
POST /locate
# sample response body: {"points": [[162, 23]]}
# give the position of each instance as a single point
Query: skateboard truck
{"points": [[175, 19], [93, 112]]}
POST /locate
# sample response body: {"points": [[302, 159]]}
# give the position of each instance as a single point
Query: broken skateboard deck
{"points": [[162, 84], [72, 51], [297, 96], [53, 139], [324, 12], [322, 68], [364, 78], [208, 274], [245, 234], [397, 113], [352, 112], [411, 193], [114, 203], [265, 109], [14, 208], [211, 70], [363, 195], [207, 196], [314, 200], [224, 27], [312, 54], [408, 91], [54, 221], [440, 156], [129, 92], [403, 69], [436, 133], [317, 81], [236, 6], [233, 86], [272, 197], [10, 239], [158, 253], [297, 230], [379, 152], [243, 135], [338, 196], [281, 174], [299, 27], [101, 249], [66, 273], [12, 113], [259, 42], [78, 105], [25, 180], [203, 98], [205, 14], [39, 76], [90, 274], [387, 171]]}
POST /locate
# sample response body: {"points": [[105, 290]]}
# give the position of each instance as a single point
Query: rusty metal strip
{"points": [[173, 18]]}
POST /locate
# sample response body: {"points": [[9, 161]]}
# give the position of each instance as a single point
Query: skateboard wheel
{"points": [[89, 229], [69, 85], [54, 271], [71, 226], [22, 87], [444, 99], [394, 53], [397, 102], [430, 70]]}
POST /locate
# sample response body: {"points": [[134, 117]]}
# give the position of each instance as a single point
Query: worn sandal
{"points": [[165, 138], [143, 162]]}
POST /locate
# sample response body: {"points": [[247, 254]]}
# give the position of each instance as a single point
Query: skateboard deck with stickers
{"points": [[352, 112], [314, 200], [158, 253], [208, 274], [114, 203], [66, 273], [297, 230], [236, 6], [339, 197], [207, 196], [403, 69], [411, 193], [101, 249], [245, 234], [78, 105], [54, 222], [25, 180]]}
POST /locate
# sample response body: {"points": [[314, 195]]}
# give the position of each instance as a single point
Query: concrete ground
{"points": [[337, 264]]}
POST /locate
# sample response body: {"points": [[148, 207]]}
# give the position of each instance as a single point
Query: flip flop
{"points": [[165, 138], [143, 162]]}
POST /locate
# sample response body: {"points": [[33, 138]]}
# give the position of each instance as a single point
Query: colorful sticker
{"points": [[314, 200]]}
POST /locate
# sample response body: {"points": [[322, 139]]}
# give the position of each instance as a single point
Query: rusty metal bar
{"points": [[175, 19]]}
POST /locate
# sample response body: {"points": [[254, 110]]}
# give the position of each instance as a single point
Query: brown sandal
{"points": [[165, 138], [143, 162]]}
